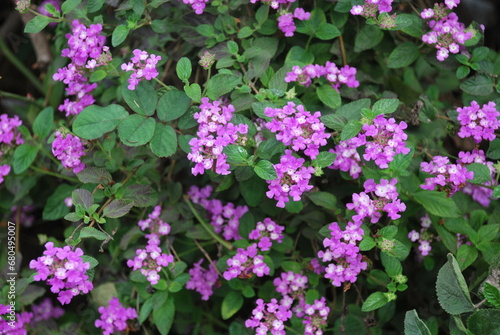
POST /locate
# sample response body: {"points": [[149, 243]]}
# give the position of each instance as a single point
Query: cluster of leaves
{"points": [[137, 142]]}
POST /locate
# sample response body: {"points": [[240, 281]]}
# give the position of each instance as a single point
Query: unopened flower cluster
{"points": [[143, 66], [478, 122], [297, 128], [9, 137], [447, 34], [224, 218], [151, 259], [346, 75], [63, 269], [215, 132], [114, 317], [249, 260], [293, 179], [202, 280], [69, 150], [86, 51], [423, 237], [446, 176], [480, 193]]}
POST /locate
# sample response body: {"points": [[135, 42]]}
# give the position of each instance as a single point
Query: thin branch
{"points": [[207, 256]]}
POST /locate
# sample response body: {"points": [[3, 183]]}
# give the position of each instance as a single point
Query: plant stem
{"points": [[206, 226], [342, 50], [19, 97], [54, 174], [162, 84], [20, 66]]}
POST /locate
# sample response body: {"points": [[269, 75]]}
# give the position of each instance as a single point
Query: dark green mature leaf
{"points": [[44, 122], [265, 170], [87, 232], [172, 105], [466, 255], [404, 54], [221, 84], [119, 35], [437, 203], [231, 304], [479, 85], [492, 295], [269, 148], [451, 288], [479, 54], [374, 301], [324, 159], [69, 5], [55, 208], [494, 149], [142, 99], [94, 121], [482, 173], [193, 91], [299, 56], [94, 5], [36, 25], [164, 316], [329, 96], [136, 130], [82, 197], [253, 190], [24, 155], [118, 208], [323, 199], [415, 326], [350, 130], [164, 141], [94, 175], [484, 322], [367, 243], [385, 106], [146, 309], [368, 37], [183, 69], [142, 195], [236, 154], [327, 31], [98, 76]]}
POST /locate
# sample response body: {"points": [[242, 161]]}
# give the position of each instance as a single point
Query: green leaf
{"points": [[329, 96], [437, 203], [494, 149], [492, 295], [164, 316], [480, 85], [94, 175], [415, 326], [24, 155], [267, 149], [95, 121], [55, 208], [119, 35], [221, 84], [146, 309], [385, 106], [193, 91], [233, 47], [479, 54], [299, 56], [462, 72], [141, 195], [253, 190], [327, 31], [484, 322], [451, 288], [323, 199], [172, 105], [466, 255], [245, 32], [98, 76], [368, 37], [236, 154], [391, 264], [94, 5], [136, 130], [117, 208], [87, 232], [403, 55], [82, 197], [367, 243], [142, 99], [73, 217], [206, 30], [164, 141], [374, 301], [183, 69], [488, 233], [44, 122], [324, 159], [482, 173], [350, 130], [389, 231], [231, 304], [36, 25], [265, 170], [69, 5]]}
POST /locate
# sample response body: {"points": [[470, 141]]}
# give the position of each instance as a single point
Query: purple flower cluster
{"points": [[143, 66], [86, 51], [197, 5], [64, 270], [69, 149], [316, 317], [15, 325], [114, 317], [293, 179], [9, 134], [291, 284], [297, 128], [342, 250], [246, 261], [151, 259], [286, 23], [45, 311], [202, 280], [304, 75], [447, 33], [224, 218], [482, 195], [215, 132], [371, 8], [384, 198], [347, 158], [265, 233], [25, 217], [269, 317], [478, 122], [424, 238], [446, 176]]}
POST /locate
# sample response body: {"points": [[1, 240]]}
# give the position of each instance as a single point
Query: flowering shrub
{"points": [[250, 167]]}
